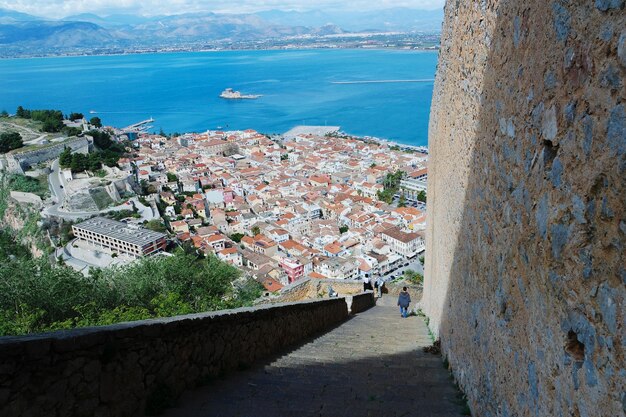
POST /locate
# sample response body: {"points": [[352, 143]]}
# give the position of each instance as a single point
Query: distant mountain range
{"points": [[90, 30]]}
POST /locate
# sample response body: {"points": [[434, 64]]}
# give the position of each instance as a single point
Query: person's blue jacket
{"points": [[404, 299]]}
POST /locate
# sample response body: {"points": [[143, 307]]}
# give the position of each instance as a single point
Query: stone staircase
{"points": [[371, 365]]}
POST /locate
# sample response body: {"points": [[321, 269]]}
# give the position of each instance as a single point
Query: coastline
{"points": [[193, 103], [209, 50], [388, 142]]}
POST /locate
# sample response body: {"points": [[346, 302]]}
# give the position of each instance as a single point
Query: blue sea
{"points": [[180, 90]]}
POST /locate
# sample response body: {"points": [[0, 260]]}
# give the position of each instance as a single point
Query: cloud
{"points": [[62, 8]]}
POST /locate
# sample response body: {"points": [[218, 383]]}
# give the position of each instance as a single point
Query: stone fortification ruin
{"points": [[20, 160], [525, 270]]}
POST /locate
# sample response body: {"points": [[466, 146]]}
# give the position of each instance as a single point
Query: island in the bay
{"points": [[231, 94], [310, 203]]}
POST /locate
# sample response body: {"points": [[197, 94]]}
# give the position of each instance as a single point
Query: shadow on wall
{"points": [[525, 278]]}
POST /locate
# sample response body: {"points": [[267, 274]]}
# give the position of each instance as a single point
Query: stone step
{"points": [[371, 365]]}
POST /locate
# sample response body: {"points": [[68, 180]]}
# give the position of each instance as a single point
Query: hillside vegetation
{"points": [[36, 296]]}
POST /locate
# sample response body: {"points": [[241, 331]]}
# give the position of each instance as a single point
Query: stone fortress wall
{"points": [[525, 280], [129, 368], [17, 161]]}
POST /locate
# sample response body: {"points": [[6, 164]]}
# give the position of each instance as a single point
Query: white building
{"points": [[403, 243], [120, 237], [339, 268]]}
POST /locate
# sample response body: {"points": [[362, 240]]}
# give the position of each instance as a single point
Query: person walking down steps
{"points": [[367, 284], [404, 299], [379, 284]]}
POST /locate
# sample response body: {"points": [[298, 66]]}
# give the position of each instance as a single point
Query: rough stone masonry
{"points": [[526, 264]]}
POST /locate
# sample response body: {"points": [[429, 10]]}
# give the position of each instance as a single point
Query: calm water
{"points": [[181, 90]]}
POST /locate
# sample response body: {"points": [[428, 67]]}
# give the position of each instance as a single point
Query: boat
{"points": [[92, 112], [231, 94]]}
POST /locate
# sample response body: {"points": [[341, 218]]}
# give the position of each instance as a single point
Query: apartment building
{"points": [[403, 243], [120, 237]]}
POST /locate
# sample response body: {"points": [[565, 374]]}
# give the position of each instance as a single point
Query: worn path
{"points": [[371, 365]]}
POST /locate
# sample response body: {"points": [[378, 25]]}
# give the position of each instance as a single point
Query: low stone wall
{"points": [[27, 198], [361, 302], [394, 289], [130, 368]]}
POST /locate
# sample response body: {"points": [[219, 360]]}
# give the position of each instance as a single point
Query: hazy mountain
{"points": [[113, 20], [91, 30], [10, 16], [214, 26], [54, 34]]}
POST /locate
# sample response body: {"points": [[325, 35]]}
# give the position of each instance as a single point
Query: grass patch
{"points": [[38, 186], [101, 198]]}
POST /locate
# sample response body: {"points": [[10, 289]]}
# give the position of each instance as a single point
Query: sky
{"points": [[62, 8]]}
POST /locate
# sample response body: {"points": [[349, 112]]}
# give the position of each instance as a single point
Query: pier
{"points": [[139, 126]]}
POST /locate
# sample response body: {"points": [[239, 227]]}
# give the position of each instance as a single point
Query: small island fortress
{"points": [[231, 94]]}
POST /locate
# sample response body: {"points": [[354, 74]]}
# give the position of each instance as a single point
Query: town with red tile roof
{"points": [[285, 208]]}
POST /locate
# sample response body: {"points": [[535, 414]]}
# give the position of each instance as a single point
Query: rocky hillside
{"points": [[21, 220]]}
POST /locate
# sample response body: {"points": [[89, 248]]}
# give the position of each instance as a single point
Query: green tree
{"points": [[95, 122], [413, 277], [93, 162], [72, 131], [23, 113], [102, 140], [343, 229], [171, 177], [421, 196], [76, 116], [37, 296], [10, 141], [255, 230], [4, 113], [402, 201], [65, 159], [79, 162], [391, 185], [156, 225], [236, 237], [51, 126]]}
